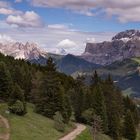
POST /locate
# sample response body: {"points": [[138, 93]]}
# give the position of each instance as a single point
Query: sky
{"points": [[66, 24]]}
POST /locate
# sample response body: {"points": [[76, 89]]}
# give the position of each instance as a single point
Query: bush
{"points": [[87, 116], [58, 122], [18, 108]]}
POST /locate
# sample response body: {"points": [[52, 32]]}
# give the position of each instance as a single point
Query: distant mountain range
{"points": [[19, 50], [120, 57]]}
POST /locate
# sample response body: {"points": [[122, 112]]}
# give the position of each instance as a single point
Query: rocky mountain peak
{"points": [[21, 51], [127, 35]]}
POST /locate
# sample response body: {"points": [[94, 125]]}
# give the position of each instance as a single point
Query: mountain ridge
{"points": [[122, 46]]}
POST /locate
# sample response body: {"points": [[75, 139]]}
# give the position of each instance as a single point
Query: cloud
{"points": [[125, 11], [49, 38], [78, 6], [28, 19], [18, 1], [6, 11], [58, 26], [90, 40], [4, 4], [66, 43], [5, 39]]}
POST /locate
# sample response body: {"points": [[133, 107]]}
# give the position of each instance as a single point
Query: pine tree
{"points": [[51, 97], [50, 65], [99, 106], [17, 102], [78, 98], [67, 110], [130, 105], [112, 107], [99, 100], [95, 79], [129, 127], [5, 82]]}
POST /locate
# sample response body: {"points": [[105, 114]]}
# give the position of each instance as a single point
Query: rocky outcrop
{"points": [[123, 45]]}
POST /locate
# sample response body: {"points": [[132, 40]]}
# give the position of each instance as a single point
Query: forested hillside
{"points": [[57, 96]]}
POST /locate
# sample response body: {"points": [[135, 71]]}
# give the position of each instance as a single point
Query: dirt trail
{"points": [[5, 136], [74, 133]]}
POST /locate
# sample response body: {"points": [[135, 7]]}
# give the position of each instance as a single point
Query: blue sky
{"points": [[67, 24]]}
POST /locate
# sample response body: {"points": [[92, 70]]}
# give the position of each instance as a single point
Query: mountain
{"points": [[122, 46], [70, 64], [125, 74], [19, 50]]}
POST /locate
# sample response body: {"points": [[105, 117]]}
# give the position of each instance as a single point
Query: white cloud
{"points": [[125, 11], [4, 4], [58, 26], [90, 40], [66, 43], [6, 11], [5, 39], [28, 19]]}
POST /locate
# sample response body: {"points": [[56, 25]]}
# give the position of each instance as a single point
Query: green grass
{"points": [[32, 126], [138, 135], [85, 135]]}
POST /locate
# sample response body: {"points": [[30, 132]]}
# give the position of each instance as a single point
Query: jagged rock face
{"points": [[19, 50], [123, 45]]}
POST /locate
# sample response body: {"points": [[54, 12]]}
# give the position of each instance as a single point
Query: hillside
{"points": [[125, 74], [32, 126], [85, 135], [70, 64]]}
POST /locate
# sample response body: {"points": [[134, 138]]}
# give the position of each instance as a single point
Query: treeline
{"points": [[57, 96]]}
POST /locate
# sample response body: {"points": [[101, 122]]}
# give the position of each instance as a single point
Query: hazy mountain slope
{"points": [[126, 74], [70, 64]]}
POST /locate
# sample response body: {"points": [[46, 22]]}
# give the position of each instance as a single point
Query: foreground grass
{"points": [[85, 135], [32, 126], [138, 135]]}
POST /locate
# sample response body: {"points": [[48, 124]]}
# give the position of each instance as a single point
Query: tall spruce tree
{"points": [[78, 98], [129, 127], [99, 100], [5, 82], [51, 97], [130, 105], [113, 115]]}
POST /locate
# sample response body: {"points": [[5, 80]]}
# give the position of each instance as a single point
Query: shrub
{"points": [[17, 108], [58, 122]]}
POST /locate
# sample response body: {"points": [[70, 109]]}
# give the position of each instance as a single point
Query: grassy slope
{"points": [[32, 126], [138, 135], [85, 135]]}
